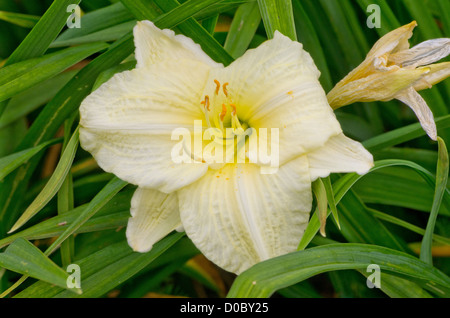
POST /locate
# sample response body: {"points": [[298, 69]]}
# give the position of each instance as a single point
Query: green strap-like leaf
{"points": [[53, 184], [242, 30], [344, 184], [403, 134], [103, 197], [97, 20], [441, 184], [353, 217], [307, 35], [20, 76], [58, 224], [70, 97], [321, 197], [112, 33], [389, 19], [29, 100], [184, 11], [330, 199], [278, 15], [111, 215], [88, 265], [45, 31], [13, 161], [444, 9], [25, 258], [110, 276], [110, 266], [190, 27], [209, 24], [65, 199], [51, 118], [394, 220], [421, 12], [23, 20], [264, 278]]}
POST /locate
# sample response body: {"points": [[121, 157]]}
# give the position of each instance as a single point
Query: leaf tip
{"points": [[13, 229], [322, 230]]}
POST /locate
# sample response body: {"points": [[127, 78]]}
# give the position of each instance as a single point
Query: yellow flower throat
{"points": [[221, 112]]}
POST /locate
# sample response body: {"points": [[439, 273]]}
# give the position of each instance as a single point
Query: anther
{"points": [[217, 87], [233, 106], [225, 89], [206, 102], [223, 112]]}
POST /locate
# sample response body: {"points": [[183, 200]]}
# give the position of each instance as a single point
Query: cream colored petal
{"points": [[339, 154], [273, 68], [411, 98], [140, 158], [275, 86], [302, 117], [238, 217], [167, 94], [438, 72], [380, 86], [375, 62], [127, 123], [153, 215], [424, 53], [154, 45], [394, 41]]}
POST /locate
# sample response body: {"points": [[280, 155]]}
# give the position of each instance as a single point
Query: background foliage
{"points": [[66, 210]]}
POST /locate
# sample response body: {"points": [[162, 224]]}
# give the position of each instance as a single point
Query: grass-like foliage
{"points": [[58, 208]]}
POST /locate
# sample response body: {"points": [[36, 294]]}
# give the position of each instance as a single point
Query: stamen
{"points": [[235, 123], [223, 113], [225, 89], [217, 87], [234, 119], [233, 112], [207, 119], [206, 102]]}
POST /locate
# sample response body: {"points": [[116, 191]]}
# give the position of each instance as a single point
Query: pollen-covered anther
{"points": [[217, 86], [223, 112], [224, 87], [206, 102], [233, 107]]}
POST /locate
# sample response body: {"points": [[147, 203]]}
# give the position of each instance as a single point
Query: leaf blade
{"points": [[13, 161], [242, 29], [54, 183], [441, 183], [32, 72], [264, 278], [25, 258], [278, 15]]}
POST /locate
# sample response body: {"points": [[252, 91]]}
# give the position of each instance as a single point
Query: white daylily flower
{"points": [[393, 70], [233, 213]]}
